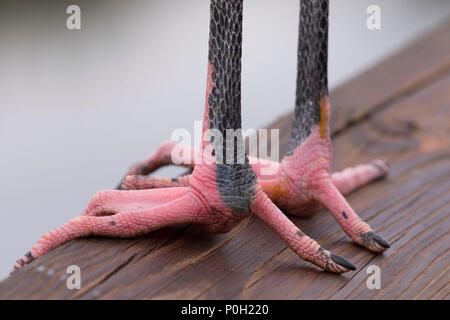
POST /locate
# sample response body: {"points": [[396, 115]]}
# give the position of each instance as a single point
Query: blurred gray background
{"points": [[77, 107]]}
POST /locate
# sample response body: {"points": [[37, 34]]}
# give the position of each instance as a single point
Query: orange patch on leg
{"points": [[274, 188], [323, 116]]}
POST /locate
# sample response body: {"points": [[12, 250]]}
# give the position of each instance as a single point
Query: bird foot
{"points": [[301, 185], [206, 202]]}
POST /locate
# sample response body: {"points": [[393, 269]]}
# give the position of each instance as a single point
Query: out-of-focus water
{"points": [[77, 107]]}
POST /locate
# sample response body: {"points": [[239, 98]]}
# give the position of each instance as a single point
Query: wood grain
{"points": [[398, 111]]}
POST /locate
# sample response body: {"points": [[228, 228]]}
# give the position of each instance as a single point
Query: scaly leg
{"points": [[219, 195], [307, 164]]}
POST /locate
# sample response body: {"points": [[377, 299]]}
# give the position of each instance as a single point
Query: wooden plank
{"points": [[402, 74], [410, 208]]}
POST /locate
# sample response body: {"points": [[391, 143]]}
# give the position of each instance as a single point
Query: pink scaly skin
{"points": [[346, 181], [125, 214], [302, 184], [307, 172], [219, 195]]}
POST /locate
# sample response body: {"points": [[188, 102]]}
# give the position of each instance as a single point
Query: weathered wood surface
{"points": [[398, 111]]}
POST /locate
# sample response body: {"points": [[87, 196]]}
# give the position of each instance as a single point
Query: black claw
{"points": [[381, 241], [29, 256], [119, 187], [380, 168], [341, 261]]}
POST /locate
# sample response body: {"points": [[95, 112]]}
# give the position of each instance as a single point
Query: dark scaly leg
{"points": [[307, 165]]}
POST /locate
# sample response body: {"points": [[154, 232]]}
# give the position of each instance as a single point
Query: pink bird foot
{"points": [[219, 195], [303, 182], [217, 208], [346, 181], [306, 175]]}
